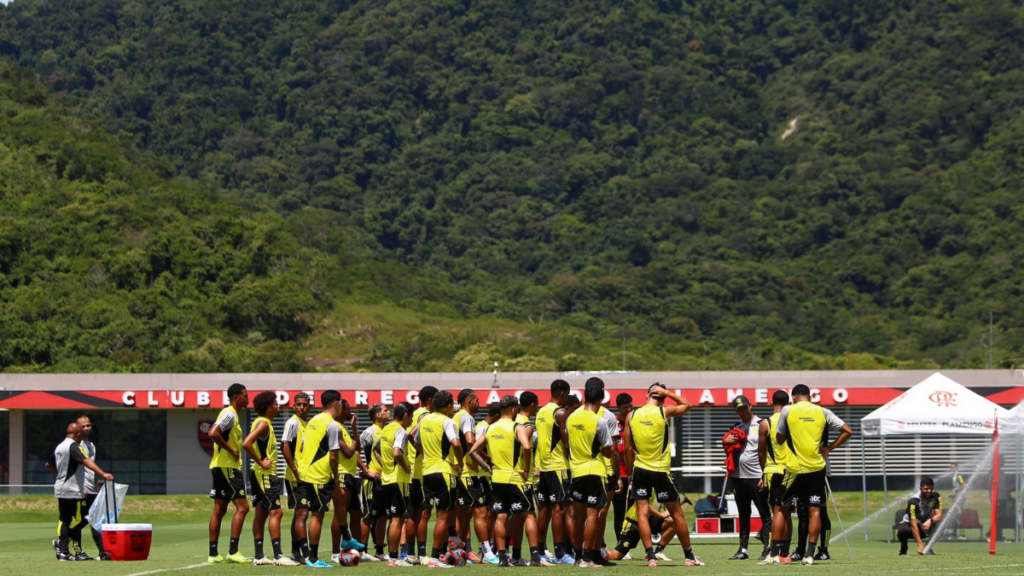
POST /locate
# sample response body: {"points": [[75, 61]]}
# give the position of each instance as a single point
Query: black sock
{"points": [[587, 556], [276, 543], [517, 553], [810, 549], [378, 549], [559, 550], [786, 545], [304, 548], [335, 550], [535, 554], [345, 535], [503, 557], [233, 547], [688, 552], [777, 548], [97, 537], [436, 552], [570, 548], [213, 548], [421, 548], [258, 543], [393, 554], [403, 549], [451, 532], [659, 549], [649, 552], [314, 552]]}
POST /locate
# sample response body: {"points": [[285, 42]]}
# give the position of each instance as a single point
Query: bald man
{"points": [[69, 464]]}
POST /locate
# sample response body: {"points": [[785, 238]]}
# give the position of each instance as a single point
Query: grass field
{"points": [[27, 524]]}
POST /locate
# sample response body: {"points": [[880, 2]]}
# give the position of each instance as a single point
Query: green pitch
{"points": [[180, 525]]}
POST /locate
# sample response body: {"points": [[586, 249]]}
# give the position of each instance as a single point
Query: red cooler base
{"points": [[127, 542]]}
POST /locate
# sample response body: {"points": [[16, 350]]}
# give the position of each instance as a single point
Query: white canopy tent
{"points": [[936, 405]]}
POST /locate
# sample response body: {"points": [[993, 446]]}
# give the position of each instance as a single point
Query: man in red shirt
{"points": [[624, 403]]}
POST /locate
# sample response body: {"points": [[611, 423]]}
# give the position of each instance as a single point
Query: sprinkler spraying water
{"points": [[973, 484]]}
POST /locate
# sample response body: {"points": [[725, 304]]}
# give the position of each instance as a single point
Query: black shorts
{"points": [[266, 491], [370, 503], [350, 483], [648, 483], [416, 494], [809, 488], [394, 499], [439, 491], [589, 490], [777, 486], [314, 497], [553, 487], [473, 492], [293, 487], [228, 484], [511, 499]]}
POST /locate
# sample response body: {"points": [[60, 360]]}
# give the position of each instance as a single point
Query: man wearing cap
{"points": [[747, 475]]}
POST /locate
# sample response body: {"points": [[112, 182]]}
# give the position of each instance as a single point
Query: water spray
{"points": [[835, 507], [976, 478]]}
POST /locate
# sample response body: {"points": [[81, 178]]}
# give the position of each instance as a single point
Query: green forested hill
{"points": [[533, 180]]}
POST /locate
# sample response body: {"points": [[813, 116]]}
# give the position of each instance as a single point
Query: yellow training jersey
{"points": [[465, 421], [391, 437], [585, 444], [804, 428], [265, 448], [371, 434], [436, 434], [417, 469], [550, 455], [777, 454], [506, 452], [300, 427], [222, 458], [481, 432], [313, 460], [347, 464], [649, 430], [609, 471]]}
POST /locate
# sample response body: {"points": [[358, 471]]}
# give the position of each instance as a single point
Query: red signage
{"points": [[204, 436], [164, 399]]}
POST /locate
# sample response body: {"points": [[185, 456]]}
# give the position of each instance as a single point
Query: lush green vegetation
{"points": [[434, 185]]}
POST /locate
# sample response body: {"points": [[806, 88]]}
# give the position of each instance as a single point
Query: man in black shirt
{"points": [[924, 511]]}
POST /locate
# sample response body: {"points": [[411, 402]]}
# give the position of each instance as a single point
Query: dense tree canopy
{"points": [[524, 181]]}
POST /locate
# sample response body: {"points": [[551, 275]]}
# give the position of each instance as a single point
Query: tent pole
{"points": [[864, 481], [885, 489]]}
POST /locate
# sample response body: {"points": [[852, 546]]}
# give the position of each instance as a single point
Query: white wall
{"points": [[188, 465]]}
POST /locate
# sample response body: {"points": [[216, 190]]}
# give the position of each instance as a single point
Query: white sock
{"points": [[487, 548]]}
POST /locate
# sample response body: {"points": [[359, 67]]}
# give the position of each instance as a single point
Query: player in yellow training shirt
{"points": [[317, 462], [290, 438], [553, 463], [471, 500], [438, 439], [588, 438], [261, 444], [420, 515], [803, 427], [345, 495], [396, 476], [773, 455], [226, 468], [508, 443], [649, 462]]}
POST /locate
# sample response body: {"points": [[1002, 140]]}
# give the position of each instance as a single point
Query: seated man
{"points": [[923, 512], [662, 531]]}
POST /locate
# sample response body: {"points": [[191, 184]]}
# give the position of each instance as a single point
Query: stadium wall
{"points": [[187, 401]]}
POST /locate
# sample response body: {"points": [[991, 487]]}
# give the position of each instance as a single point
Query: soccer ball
{"points": [[604, 553], [456, 557], [460, 556], [350, 558]]}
